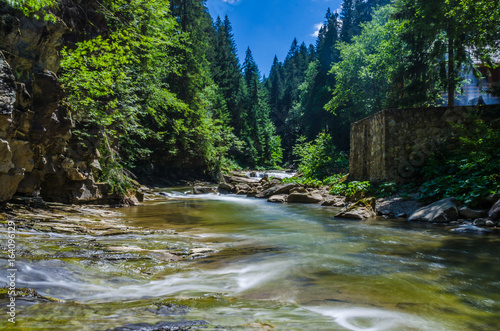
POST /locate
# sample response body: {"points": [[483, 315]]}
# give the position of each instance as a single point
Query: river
{"points": [[258, 266]]}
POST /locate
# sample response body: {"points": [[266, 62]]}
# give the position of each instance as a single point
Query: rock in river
{"points": [[279, 198], [275, 190], [442, 211], [360, 210], [313, 197], [204, 190], [494, 213]]}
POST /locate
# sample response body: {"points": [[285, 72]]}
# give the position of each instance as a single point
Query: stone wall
{"points": [[38, 155], [393, 144]]}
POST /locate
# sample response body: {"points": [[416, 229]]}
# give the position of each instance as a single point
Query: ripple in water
{"points": [[370, 319]]}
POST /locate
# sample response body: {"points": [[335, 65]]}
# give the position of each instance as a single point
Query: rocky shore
{"points": [[446, 211]]}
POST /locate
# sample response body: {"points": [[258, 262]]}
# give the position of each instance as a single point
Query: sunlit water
{"points": [[291, 266]]}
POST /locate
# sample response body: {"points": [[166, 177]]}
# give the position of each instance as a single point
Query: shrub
{"points": [[319, 158], [469, 172], [386, 189], [356, 190]]}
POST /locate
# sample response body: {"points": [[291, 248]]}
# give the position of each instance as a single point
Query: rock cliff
{"points": [[39, 156]]}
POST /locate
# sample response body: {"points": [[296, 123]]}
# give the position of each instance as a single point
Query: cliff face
{"points": [[38, 154]]}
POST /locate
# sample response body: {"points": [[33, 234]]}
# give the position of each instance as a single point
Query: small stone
{"points": [[479, 222], [489, 223], [402, 215]]}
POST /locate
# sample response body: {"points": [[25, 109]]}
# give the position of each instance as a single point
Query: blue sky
{"points": [[269, 26]]}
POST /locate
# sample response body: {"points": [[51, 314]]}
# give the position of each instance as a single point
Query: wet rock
{"points": [[279, 198], [242, 189], [298, 189], [276, 190], [312, 197], [442, 211], [225, 188], [334, 201], [479, 222], [170, 310], [466, 212], [204, 190], [469, 228], [397, 205], [402, 215], [275, 181], [252, 193], [239, 180], [360, 210], [494, 213], [490, 223], [161, 326]]}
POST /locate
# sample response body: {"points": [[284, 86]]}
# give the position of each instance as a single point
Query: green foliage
{"points": [[386, 189], [319, 158], [32, 6], [354, 189], [470, 172], [308, 181]]}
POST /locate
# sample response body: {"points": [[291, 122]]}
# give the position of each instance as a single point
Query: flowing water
{"points": [[259, 266]]}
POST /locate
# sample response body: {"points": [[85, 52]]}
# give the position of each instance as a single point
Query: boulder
{"points": [[223, 188], [239, 180], [309, 197], [276, 190], [494, 213], [360, 210], [467, 213], [204, 190], [480, 222], [9, 182], [22, 155], [298, 189], [334, 201], [469, 228], [279, 198], [5, 156], [442, 211]]}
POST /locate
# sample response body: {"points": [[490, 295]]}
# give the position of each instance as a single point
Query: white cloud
{"points": [[230, 1], [317, 27]]}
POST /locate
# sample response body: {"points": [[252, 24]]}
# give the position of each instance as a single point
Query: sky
{"points": [[269, 26]]}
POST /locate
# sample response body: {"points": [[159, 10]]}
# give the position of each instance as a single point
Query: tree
{"points": [[226, 71], [441, 38]]}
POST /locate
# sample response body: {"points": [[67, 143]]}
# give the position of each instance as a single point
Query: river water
{"points": [[260, 266]]}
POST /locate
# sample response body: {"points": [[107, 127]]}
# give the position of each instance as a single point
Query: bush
{"points": [[319, 159], [354, 189], [315, 182], [386, 189], [469, 172]]}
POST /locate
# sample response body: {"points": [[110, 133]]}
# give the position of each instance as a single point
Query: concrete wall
{"points": [[393, 144]]}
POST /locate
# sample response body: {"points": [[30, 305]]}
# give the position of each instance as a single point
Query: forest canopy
{"points": [[163, 82]]}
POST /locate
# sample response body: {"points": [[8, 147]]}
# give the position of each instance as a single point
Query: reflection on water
{"points": [[292, 266]]}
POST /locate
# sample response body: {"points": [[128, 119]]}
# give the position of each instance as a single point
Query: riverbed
{"points": [[227, 262]]}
